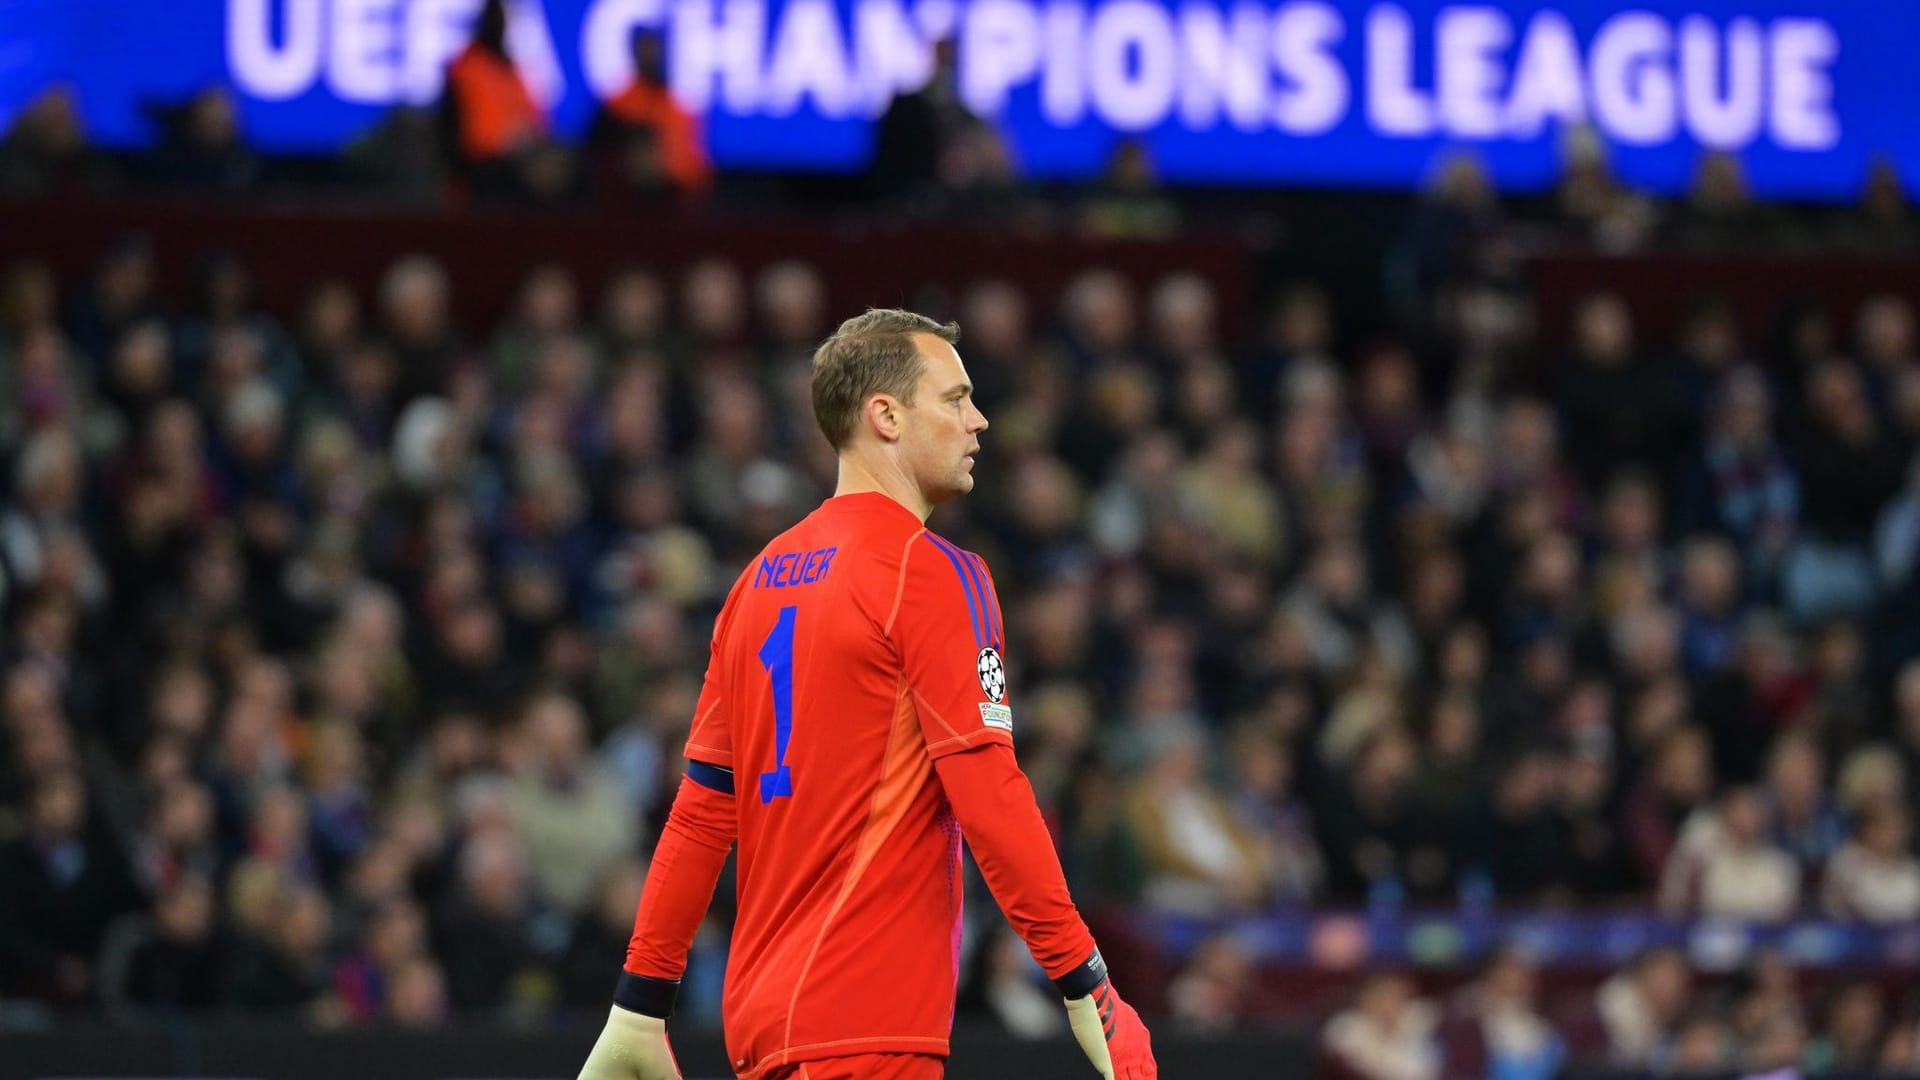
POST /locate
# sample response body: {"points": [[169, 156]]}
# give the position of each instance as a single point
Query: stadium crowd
{"points": [[349, 650], [349, 655]]}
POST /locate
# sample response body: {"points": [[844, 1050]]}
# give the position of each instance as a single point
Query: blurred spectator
{"points": [[600, 934], [1201, 856], [1848, 1040], [46, 152], [1885, 345], [180, 840], [401, 160], [1493, 1027], [122, 292], [1619, 411], [1447, 240], [281, 967], [649, 143], [1805, 822], [1763, 993], [1593, 205], [367, 980], [1368, 829], [1779, 1049], [1725, 865], [1387, 1034], [1874, 877], [486, 933], [225, 312], [1710, 594], [1703, 1046], [1677, 779], [1127, 201], [417, 324], [1640, 1006], [928, 144], [1001, 986], [204, 149], [1883, 222], [572, 820], [1851, 469], [419, 998], [175, 965], [62, 882], [1212, 994], [1720, 212], [1526, 842], [1271, 811], [493, 116]]}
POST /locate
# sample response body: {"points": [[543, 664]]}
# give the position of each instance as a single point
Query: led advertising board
{"points": [[1309, 92]]}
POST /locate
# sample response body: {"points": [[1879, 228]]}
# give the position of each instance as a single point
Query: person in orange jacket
{"points": [[492, 112], [650, 139]]}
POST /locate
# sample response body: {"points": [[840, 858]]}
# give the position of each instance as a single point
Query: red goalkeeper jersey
{"points": [[856, 650]]}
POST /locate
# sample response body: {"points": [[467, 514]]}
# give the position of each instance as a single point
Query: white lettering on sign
{"points": [[809, 62], [1632, 74], [1063, 86], [1000, 48], [888, 55], [1547, 83], [1471, 71], [1313, 93], [1225, 67], [1133, 64], [718, 43], [1803, 54], [606, 42], [436, 31], [1722, 120], [530, 44], [1394, 107], [366, 51], [1468, 70], [268, 69]]}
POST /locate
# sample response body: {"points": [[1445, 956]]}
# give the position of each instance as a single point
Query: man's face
{"points": [[939, 432]]}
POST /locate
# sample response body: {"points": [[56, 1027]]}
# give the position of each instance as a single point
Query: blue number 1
{"points": [[776, 655]]}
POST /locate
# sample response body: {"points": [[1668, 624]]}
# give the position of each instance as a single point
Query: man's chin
{"points": [[960, 485]]}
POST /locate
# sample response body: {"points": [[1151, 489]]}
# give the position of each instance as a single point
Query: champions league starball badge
{"points": [[993, 677]]}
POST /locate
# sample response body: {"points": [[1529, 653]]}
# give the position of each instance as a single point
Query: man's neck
{"points": [[857, 476]]}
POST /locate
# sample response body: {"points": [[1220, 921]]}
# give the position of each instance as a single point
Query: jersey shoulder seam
{"points": [[900, 581]]}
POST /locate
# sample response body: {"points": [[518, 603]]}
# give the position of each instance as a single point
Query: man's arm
{"points": [[994, 804], [686, 864]]}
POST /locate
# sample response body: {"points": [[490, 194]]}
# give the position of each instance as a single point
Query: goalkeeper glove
{"points": [[1108, 1029], [633, 1045]]}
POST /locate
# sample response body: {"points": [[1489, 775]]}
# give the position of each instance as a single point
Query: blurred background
{"points": [[1452, 482]]}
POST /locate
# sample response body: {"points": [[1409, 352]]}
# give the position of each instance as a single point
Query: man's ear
{"points": [[882, 414]]}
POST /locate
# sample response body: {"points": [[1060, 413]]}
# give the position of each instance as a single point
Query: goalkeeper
{"points": [[853, 726]]}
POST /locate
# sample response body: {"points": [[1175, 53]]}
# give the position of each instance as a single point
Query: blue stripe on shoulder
{"points": [[710, 776], [977, 575], [966, 583], [996, 630]]}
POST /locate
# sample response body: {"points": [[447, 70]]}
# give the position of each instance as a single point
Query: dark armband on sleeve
{"points": [[715, 777], [646, 996], [1083, 979]]}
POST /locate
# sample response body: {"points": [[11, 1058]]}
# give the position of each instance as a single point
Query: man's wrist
{"points": [[1082, 980], [645, 995]]}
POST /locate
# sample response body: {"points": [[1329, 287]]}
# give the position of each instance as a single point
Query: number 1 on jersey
{"points": [[776, 655]]}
